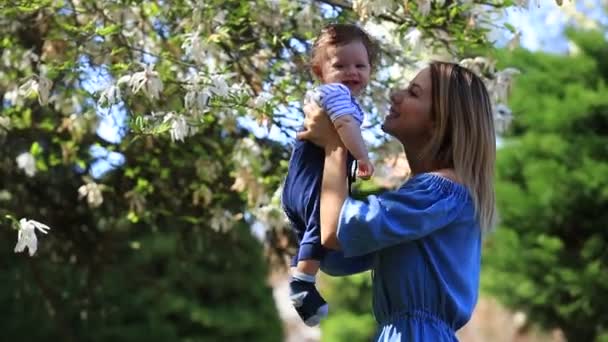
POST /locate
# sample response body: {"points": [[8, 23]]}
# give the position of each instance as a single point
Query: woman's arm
{"points": [[334, 191], [320, 130]]}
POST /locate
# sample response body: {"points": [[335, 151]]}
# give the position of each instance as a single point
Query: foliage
{"points": [[549, 255]]}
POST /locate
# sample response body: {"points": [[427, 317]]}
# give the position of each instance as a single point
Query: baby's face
{"points": [[347, 64]]}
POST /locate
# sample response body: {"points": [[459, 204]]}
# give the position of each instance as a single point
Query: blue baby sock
{"points": [[306, 299]]}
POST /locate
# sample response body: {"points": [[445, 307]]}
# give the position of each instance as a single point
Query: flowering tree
{"points": [[128, 128]]}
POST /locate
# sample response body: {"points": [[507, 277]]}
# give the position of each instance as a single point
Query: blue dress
{"points": [[423, 245]]}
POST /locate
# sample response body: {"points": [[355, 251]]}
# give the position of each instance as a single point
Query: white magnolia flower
{"points": [[197, 100], [220, 17], [502, 118], [44, 89], [502, 83], [28, 88], [367, 8], [479, 65], [261, 99], [193, 46], [26, 237], [13, 97], [27, 163], [40, 86], [109, 96], [180, 129], [424, 6], [515, 41], [414, 39], [219, 87], [221, 220], [126, 79], [92, 191], [147, 80], [305, 16]]}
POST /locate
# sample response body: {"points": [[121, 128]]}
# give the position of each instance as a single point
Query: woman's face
{"points": [[409, 119]]}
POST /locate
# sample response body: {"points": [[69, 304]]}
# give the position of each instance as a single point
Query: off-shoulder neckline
{"points": [[438, 179]]}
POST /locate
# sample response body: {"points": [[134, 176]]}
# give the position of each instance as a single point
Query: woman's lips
{"points": [[392, 113]]}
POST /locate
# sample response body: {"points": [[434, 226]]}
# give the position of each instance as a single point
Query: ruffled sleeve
{"points": [[423, 205]]}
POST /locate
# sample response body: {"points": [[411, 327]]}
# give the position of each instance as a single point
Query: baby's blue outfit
{"points": [[423, 245], [302, 188]]}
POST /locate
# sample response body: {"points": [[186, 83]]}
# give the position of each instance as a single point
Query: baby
{"points": [[342, 59]]}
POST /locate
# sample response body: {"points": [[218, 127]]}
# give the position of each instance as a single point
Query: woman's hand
{"points": [[318, 129]]}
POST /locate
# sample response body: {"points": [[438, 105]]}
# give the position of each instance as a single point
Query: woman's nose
{"points": [[394, 95]]}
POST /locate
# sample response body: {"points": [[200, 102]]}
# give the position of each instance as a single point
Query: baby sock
{"points": [[306, 299]]}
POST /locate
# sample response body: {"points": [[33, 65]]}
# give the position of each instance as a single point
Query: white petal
{"points": [[123, 79], [44, 89], [40, 226]]}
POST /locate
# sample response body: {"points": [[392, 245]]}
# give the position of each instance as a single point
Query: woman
{"points": [[422, 241]]}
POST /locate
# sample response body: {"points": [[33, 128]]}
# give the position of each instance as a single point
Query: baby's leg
{"points": [[306, 299]]}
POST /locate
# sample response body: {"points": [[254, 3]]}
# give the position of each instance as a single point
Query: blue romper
{"points": [[302, 187], [423, 245]]}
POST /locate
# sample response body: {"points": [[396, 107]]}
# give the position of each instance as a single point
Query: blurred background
{"points": [[153, 137]]}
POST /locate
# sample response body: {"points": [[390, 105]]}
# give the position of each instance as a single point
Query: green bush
{"points": [[548, 257]]}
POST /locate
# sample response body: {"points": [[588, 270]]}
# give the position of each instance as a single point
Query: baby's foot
{"points": [[307, 301]]}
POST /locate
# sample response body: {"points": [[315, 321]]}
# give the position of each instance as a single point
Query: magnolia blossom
{"points": [[219, 87], [109, 96], [479, 65], [272, 214], [92, 191], [221, 220], [414, 40], [40, 86], [502, 83], [27, 163], [502, 118], [193, 46], [424, 6], [305, 16], [197, 100], [261, 100], [180, 129], [367, 8], [14, 97], [515, 41], [147, 80], [26, 236]]}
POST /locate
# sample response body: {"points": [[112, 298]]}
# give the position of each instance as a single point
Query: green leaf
{"points": [[108, 30], [510, 27]]}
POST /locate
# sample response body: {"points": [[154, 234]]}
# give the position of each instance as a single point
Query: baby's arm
{"points": [[350, 132]]}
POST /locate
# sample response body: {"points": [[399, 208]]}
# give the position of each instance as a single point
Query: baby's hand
{"points": [[365, 169]]}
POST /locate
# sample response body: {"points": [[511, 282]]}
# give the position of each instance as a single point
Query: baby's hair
{"points": [[342, 34]]}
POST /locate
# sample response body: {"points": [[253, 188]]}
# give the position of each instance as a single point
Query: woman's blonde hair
{"points": [[464, 136]]}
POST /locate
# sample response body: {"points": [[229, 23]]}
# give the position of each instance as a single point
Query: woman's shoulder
{"points": [[435, 185]]}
